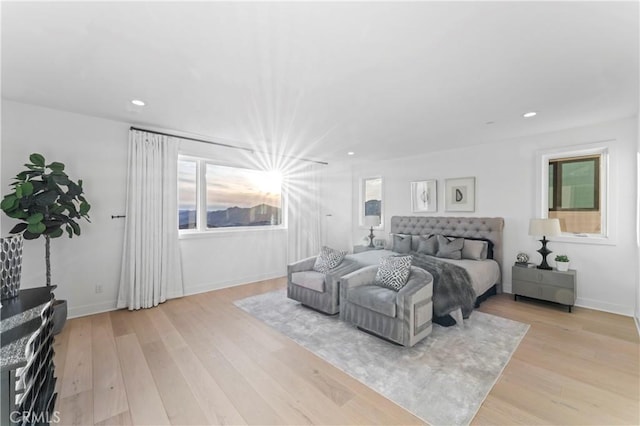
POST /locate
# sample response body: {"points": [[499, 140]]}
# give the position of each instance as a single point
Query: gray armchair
{"points": [[401, 316], [315, 289]]}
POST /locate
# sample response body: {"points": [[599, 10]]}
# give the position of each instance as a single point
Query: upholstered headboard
{"points": [[489, 228]]}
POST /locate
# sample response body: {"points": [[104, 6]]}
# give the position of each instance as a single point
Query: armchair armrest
{"points": [[357, 278], [417, 288], [347, 266], [418, 279], [301, 265]]}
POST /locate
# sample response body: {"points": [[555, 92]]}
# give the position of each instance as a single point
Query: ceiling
{"points": [[318, 79]]}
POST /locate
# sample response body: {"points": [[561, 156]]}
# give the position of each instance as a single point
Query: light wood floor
{"points": [[201, 360]]}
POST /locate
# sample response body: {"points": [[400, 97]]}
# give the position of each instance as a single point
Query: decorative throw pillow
{"points": [[401, 243], [450, 249], [393, 272], [328, 259], [428, 245], [474, 249]]}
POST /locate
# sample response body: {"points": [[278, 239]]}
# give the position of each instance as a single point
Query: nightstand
{"points": [[551, 285], [360, 249]]}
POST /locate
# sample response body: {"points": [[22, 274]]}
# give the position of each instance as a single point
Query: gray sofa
{"points": [[315, 289], [403, 317]]}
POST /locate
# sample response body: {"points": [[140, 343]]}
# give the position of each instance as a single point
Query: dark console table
{"points": [[26, 339]]}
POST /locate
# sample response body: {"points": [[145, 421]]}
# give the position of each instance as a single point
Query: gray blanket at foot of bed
{"points": [[452, 287]]}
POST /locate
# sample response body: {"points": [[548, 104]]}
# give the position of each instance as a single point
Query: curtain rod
{"points": [[220, 144]]}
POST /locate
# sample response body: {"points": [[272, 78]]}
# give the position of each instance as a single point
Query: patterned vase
{"points": [[10, 265]]}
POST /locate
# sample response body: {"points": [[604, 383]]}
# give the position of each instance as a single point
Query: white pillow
{"points": [[328, 259], [475, 249], [393, 272]]}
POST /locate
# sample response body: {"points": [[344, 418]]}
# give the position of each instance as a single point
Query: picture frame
{"points": [[460, 194], [424, 196]]}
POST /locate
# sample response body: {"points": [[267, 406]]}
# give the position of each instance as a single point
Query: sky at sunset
{"points": [[228, 187]]}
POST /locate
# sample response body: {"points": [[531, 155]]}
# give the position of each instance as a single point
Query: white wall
{"points": [[637, 313], [337, 193], [505, 187], [95, 150], [230, 258]]}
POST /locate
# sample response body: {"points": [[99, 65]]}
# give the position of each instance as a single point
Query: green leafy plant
{"points": [[46, 202], [562, 258]]}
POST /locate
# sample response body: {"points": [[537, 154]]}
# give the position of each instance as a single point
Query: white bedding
{"points": [[483, 273]]}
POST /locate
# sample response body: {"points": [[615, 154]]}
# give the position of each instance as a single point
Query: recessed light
{"points": [[490, 122], [529, 114], [351, 153], [138, 102]]}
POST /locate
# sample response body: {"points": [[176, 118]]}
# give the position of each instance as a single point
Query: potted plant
{"points": [[47, 203], [562, 262]]}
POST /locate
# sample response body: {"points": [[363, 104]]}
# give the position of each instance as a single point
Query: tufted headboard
{"points": [[470, 227]]}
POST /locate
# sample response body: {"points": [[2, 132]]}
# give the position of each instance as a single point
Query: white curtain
{"points": [[304, 212], [151, 265]]}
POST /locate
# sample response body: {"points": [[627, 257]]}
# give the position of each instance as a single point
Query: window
{"points": [[213, 196], [371, 198], [574, 191]]}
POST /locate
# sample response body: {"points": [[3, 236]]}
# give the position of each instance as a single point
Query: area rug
{"points": [[443, 380]]}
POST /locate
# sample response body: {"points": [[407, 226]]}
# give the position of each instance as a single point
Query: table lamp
{"points": [[546, 228], [373, 220]]}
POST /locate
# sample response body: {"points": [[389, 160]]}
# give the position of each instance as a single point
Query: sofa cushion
{"points": [[394, 272], [374, 297], [328, 259], [309, 279]]}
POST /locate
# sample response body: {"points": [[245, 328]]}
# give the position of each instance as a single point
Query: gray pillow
{"points": [[401, 243], [393, 272], [474, 249], [328, 259], [450, 249], [428, 244]]}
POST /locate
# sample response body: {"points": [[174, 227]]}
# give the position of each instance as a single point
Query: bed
{"points": [[459, 288]]}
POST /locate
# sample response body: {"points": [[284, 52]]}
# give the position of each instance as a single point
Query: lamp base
{"points": [[544, 252], [371, 237]]}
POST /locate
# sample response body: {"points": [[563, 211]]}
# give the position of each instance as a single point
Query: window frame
{"points": [[557, 189], [363, 197], [201, 202], [605, 150]]}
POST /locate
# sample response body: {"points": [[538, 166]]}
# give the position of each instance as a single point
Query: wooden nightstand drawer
{"points": [[553, 277], [551, 285], [562, 295]]}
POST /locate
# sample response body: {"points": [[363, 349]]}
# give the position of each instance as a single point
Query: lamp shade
{"points": [[544, 227], [373, 220]]}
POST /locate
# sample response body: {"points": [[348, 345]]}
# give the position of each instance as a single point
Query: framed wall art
{"points": [[460, 194], [424, 196]]}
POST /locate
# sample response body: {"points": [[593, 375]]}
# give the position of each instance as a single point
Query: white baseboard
{"points": [[598, 305], [205, 287], [111, 305], [637, 320], [93, 308]]}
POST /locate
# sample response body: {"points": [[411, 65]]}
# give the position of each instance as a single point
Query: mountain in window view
{"points": [[260, 215]]}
